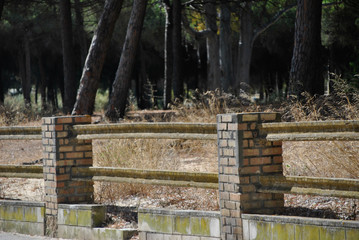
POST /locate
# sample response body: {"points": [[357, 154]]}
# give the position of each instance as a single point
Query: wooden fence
{"points": [[283, 131], [311, 131], [188, 131], [250, 175]]}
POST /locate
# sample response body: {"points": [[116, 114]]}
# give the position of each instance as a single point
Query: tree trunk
{"points": [[68, 56], [177, 76], [306, 71], [245, 46], [144, 90], [90, 78], [117, 103], [225, 47], [26, 83], [168, 55], [1, 88], [43, 83], [81, 34], [213, 70], [2, 2]]}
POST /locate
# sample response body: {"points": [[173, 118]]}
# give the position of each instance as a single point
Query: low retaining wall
{"points": [[22, 217], [83, 221], [80, 221], [298, 228], [178, 224]]}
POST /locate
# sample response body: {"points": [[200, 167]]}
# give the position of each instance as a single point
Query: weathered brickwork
{"points": [[244, 155], [62, 151]]}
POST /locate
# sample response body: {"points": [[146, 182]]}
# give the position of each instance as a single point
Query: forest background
{"points": [[60, 55]]}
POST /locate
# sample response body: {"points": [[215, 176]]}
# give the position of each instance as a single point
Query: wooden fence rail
{"points": [[311, 131], [190, 131]]}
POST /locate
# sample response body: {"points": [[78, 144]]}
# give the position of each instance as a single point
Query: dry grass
{"points": [[180, 155], [320, 159]]}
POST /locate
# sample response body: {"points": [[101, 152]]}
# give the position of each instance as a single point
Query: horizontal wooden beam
{"points": [[314, 136], [20, 137], [336, 187], [161, 127], [188, 136], [146, 174], [20, 130], [311, 126], [19, 171], [171, 183]]}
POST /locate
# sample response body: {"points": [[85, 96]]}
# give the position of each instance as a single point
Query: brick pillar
{"points": [[244, 155], [62, 151]]}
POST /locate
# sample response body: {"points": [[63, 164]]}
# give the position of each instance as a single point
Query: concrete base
{"points": [[22, 217], [286, 228], [178, 224]]}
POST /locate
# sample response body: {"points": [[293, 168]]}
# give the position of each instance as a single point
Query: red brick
{"points": [[66, 148], [248, 188], [244, 180], [250, 117], [62, 177], [261, 196], [277, 159], [59, 127], [82, 162], [242, 126], [247, 134], [64, 120], [83, 119], [250, 152], [273, 168], [272, 151], [274, 204], [61, 134], [74, 155], [260, 161], [250, 170], [277, 143]]}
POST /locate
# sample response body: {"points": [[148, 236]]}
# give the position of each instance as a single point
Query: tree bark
{"points": [[168, 55], [118, 99], [214, 75], [225, 47], [81, 34], [90, 78], [43, 83], [245, 46], [26, 80], [1, 86], [2, 3], [306, 72], [68, 56], [177, 76]]}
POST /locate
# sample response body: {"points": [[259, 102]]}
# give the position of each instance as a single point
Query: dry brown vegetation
{"points": [[321, 159]]}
